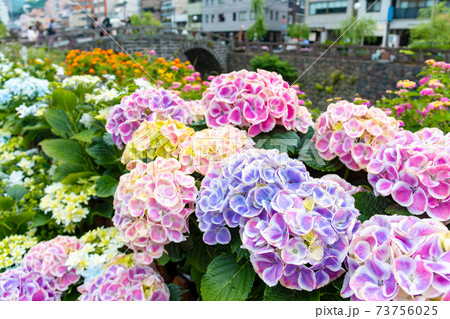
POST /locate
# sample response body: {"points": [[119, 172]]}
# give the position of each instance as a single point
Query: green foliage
{"points": [[279, 138], [354, 30], [418, 110], [271, 62], [106, 186], [309, 155], [226, 279], [67, 151], [435, 32], [146, 19], [368, 204], [3, 31], [175, 292], [299, 31], [280, 293], [258, 29]]}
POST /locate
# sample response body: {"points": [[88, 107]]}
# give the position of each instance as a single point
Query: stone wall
{"points": [[331, 77]]}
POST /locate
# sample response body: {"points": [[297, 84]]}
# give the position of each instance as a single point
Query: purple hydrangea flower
{"points": [[295, 227], [27, 284], [144, 105], [398, 258], [415, 169]]}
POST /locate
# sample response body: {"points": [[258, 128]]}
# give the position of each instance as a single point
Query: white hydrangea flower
{"points": [[16, 178], [87, 120]]}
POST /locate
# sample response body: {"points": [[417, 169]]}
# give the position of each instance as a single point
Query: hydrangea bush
{"points": [[422, 104], [235, 155]]}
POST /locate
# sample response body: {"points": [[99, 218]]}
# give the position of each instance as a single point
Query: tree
{"points": [[147, 19], [434, 32], [354, 30], [298, 31], [2, 30], [258, 29]]}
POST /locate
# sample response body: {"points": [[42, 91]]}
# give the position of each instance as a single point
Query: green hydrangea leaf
{"points": [[226, 279]]}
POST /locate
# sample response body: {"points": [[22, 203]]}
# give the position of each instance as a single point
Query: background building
{"points": [[233, 16], [326, 17], [194, 14], [174, 13], [296, 11], [153, 6], [4, 13]]}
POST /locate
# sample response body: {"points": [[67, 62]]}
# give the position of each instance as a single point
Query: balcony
{"points": [[406, 13]]}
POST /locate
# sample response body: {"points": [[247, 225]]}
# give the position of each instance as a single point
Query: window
{"points": [[414, 3], [242, 15], [212, 2], [373, 6], [212, 18], [206, 3], [252, 15], [222, 17], [327, 7], [276, 15], [206, 18], [271, 14], [234, 16], [221, 1]]}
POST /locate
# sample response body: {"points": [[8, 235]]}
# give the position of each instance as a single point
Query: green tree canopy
{"points": [[434, 32], [2, 30], [298, 31], [147, 19], [258, 29], [355, 30]]}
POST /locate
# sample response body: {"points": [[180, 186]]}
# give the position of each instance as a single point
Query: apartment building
{"points": [[296, 11], [79, 18], [325, 17], [153, 6], [174, 13], [234, 16]]}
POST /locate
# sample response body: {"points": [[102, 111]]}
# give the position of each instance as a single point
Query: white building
{"points": [[326, 17], [4, 14], [233, 16]]}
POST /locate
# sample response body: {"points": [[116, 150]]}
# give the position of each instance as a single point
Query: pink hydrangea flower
{"points": [[415, 169], [150, 206], [398, 258], [255, 100], [48, 258], [119, 283], [352, 132], [145, 105]]}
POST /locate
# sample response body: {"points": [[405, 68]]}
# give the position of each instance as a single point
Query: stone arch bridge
{"points": [[207, 51]]}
